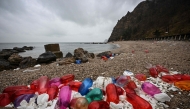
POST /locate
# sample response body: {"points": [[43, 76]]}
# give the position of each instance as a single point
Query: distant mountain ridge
{"points": [[154, 18]]}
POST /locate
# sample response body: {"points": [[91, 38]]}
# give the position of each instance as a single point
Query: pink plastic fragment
{"points": [[150, 89]]}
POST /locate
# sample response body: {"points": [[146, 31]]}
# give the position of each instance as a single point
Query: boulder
{"points": [[27, 62], [46, 57], [91, 55], [15, 59], [106, 53], [79, 53], [27, 48], [58, 54], [52, 47], [5, 54], [4, 65], [68, 55], [68, 60], [19, 49]]}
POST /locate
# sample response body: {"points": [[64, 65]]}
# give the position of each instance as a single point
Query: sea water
{"points": [[65, 47]]}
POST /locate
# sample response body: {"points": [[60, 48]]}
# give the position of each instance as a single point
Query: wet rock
{"points": [[68, 55], [15, 59], [106, 53], [4, 64], [81, 54], [28, 48], [46, 57], [19, 49], [68, 60], [27, 62]]}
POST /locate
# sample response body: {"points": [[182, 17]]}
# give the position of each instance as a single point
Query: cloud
{"points": [[60, 20]]}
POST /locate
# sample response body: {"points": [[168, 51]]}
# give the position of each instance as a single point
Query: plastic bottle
{"points": [[153, 72], [122, 81], [131, 84], [98, 105], [11, 89], [79, 103], [55, 82], [184, 85], [175, 78], [160, 68], [137, 102], [120, 91], [150, 89], [67, 78], [43, 84], [20, 92], [64, 97], [94, 95], [75, 85], [4, 99], [140, 77], [86, 84], [78, 61], [19, 99], [52, 92], [111, 93]]}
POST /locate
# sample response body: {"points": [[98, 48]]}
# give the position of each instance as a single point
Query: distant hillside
{"points": [[154, 18]]}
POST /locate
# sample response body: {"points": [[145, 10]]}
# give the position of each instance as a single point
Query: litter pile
{"points": [[128, 91]]}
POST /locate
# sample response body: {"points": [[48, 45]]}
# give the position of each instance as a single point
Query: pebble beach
{"points": [[131, 55]]}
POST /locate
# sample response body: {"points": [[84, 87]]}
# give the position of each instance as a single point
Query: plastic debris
{"points": [[162, 97], [127, 73], [124, 92], [38, 65], [150, 88]]}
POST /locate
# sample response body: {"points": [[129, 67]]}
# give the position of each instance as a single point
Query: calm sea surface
{"points": [[65, 47]]}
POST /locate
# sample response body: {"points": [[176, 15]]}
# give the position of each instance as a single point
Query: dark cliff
{"points": [[154, 18]]}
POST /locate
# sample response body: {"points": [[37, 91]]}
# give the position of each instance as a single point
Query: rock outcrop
{"points": [[54, 48], [46, 57], [153, 18]]}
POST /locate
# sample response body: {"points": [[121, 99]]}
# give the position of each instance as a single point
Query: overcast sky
{"points": [[61, 20]]}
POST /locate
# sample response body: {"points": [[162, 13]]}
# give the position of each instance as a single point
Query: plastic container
{"points": [[65, 79], [102, 82], [75, 85], [86, 84], [55, 82], [184, 85], [160, 68], [40, 85], [137, 102], [111, 93], [19, 99], [4, 99], [175, 78], [120, 91], [122, 81], [131, 84], [52, 92], [79, 103], [153, 72], [11, 89], [77, 61], [94, 95], [140, 77], [20, 92], [98, 105], [64, 97], [150, 89]]}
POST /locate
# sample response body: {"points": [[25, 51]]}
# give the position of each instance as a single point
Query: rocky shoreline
{"points": [[132, 55]]}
